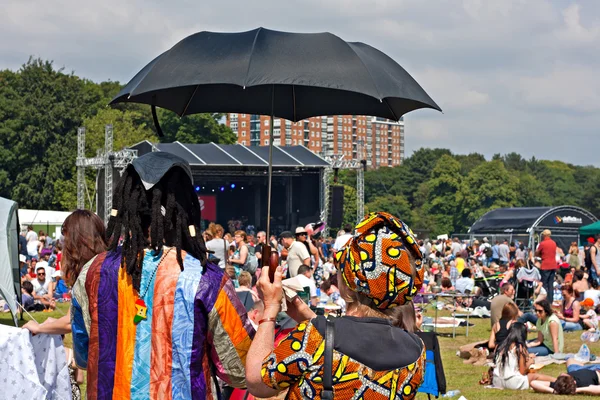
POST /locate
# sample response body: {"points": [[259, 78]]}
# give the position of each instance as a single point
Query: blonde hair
{"points": [[215, 230], [245, 279]]}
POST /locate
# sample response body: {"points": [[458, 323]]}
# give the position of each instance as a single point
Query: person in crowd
{"points": [[513, 361], [579, 379], [261, 241], [504, 252], [455, 246], [495, 252], [550, 332], [594, 260], [59, 287], [589, 319], [547, 251], [453, 273], [297, 253], [23, 246], [160, 317], [217, 244], [42, 289], [305, 277], [27, 300], [447, 285], [84, 238], [500, 330], [520, 253], [247, 296], [302, 237], [229, 239], [342, 238], [570, 309], [497, 304], [368, 321], [32, 243], [465, 284], [30, 276], [580, 284], [573, 255], [240, 256], [593, 293]]}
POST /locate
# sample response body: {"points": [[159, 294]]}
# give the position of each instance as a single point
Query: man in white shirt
{"points": [[297, 253], [465, 284], [43, 289], [305, 278], [343, 236]]}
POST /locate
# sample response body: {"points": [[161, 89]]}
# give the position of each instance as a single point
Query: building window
{"points": [[266, 122], [266, 142], [243, 133], [243, 115], [243, 124], [266, 132], [244, 142], [233, 116], [295, 142]]}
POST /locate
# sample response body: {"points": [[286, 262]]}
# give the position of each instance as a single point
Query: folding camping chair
{"points": [[434, 381]]}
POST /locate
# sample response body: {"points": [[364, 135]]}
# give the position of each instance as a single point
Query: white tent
{"points": [[9, 254]]}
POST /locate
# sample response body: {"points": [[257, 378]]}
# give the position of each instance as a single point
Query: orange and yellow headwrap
{"points": [[376, 263]]}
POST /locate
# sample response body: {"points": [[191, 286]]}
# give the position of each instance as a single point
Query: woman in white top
{"points": [[217, 245], [513, 361]]}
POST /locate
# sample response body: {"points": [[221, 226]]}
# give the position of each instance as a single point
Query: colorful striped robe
{"points": [[195, 325]]}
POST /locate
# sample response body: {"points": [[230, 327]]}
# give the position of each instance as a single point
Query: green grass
{"points": [[463, 377]]}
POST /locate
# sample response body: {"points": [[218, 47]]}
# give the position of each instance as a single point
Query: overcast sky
{"points": [[510, 75]]}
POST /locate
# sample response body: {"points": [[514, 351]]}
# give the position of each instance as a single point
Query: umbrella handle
{"points": [[155, 119]]}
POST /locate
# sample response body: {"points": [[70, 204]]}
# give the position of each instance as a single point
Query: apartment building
{"points": [[378, 140]]}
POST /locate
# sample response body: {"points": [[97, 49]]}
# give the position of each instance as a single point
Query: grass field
{"points": [[459, 376]]}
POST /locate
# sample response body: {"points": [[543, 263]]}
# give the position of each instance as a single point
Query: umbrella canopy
{"points": [[288, 75]]}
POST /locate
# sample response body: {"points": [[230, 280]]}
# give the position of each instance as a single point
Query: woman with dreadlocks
{"points": [[164, 321]]}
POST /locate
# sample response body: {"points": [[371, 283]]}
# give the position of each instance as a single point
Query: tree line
{"points": [[42, 106], [439, 192]]}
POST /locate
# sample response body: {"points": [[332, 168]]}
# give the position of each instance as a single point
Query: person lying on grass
{"points": [[579, 379]]}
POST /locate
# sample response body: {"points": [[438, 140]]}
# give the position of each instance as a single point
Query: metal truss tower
{"points": [[105, 160]]}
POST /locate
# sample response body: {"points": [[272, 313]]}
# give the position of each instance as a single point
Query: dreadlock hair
{"points": [[152, 218]]}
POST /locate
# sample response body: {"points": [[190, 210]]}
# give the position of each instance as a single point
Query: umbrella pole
{"points": [[270, 174]]}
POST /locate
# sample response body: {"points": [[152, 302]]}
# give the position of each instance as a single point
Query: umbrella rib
{"points": [[368, 71], [390, 108], [251, 54], [189, 101]]}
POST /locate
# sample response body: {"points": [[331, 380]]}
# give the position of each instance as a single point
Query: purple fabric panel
{"points": [[108, 305], [208, 288]]}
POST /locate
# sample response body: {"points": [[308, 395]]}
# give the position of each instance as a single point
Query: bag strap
{"points": [[327, 392]]}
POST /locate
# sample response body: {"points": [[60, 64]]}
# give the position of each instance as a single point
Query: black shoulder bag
{"points": [[327, 392]]}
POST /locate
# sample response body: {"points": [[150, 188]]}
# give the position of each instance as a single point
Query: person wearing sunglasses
{"points": [[550, 331], [42, 289]]}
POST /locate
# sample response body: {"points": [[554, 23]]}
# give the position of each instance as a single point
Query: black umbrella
{"points": [[288, 75]]}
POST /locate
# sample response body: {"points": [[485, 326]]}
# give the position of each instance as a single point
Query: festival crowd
{"points": [[160, 306]]}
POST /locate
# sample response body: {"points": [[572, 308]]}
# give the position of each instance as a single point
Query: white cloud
{"points": [[510, 75]]}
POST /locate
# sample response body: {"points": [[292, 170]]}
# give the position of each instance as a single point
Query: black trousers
{"points": [[548, 282]]}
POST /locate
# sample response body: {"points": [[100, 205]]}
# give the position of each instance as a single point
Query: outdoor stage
{"points": [[231, 182]]}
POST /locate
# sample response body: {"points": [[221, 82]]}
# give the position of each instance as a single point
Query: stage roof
{"points": [[236, 155], [526, 219]]}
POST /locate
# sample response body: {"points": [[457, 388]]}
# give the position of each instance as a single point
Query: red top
{"points": [[58, 260], [547, 251]]}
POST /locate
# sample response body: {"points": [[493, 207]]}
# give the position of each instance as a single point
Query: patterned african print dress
{"points": [[194, 322], [371, 360]]}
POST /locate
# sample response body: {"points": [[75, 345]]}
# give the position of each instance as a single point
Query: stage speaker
{"points": [[336, 207]]}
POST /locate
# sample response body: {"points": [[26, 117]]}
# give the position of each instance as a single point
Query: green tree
{"points": [[487, 187], [197, 128], [349, 207], [532, 192], [419, 168], [40, 110], [443, 195], [469, 162], [396, 205]]}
